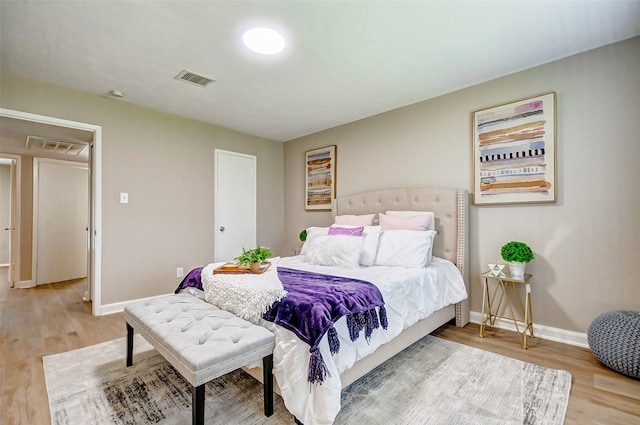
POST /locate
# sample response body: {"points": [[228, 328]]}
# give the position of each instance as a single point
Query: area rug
{"points": [[434, 381]]}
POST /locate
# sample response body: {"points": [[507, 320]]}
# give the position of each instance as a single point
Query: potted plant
{"points": [[303, 235], [253, 258], [517, 254]]}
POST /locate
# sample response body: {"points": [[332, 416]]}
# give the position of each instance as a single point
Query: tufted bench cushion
{"points": [[614, 338], [201, 341]]}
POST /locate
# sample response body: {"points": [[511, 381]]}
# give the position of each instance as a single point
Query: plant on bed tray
{"points": [[517, 254], [253, 257]]}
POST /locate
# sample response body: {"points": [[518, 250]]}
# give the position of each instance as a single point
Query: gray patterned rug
{"points": [[432, 382]]}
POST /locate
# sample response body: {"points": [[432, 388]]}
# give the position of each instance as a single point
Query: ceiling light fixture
{"points": [[264, 41]]}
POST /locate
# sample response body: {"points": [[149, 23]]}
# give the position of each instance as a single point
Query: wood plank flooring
{"points": [[53, 318], [36, 322]]}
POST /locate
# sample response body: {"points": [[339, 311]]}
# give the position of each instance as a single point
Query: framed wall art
{"points": [[514, 152], [320, 180]]}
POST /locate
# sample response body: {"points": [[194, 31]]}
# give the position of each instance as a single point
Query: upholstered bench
{"points": [[202, 342]]}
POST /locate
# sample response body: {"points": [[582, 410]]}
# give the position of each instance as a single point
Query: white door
{"points": [[9, 216], [61, 212], [6, 168], [235, 204]]}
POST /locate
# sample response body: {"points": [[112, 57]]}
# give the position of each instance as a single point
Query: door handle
{"points": [[7, 228], [222, 228]]}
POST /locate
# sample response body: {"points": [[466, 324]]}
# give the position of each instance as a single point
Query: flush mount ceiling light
{"points": [[264, 41]]}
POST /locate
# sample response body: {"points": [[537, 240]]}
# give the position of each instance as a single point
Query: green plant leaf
{"points": [[517, 251], [256, 255]]}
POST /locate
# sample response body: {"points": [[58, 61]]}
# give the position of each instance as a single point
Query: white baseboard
{"points": [[119, 307], [540, 331], [24, 284]]}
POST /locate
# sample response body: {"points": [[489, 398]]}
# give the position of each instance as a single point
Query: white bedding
{"points": [[409, 294]]}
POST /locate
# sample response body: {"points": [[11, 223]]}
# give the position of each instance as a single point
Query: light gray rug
{"points": [[432, 382]]}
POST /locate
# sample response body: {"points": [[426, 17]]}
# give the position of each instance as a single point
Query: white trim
{"points": [[119, 306], [96, 167], [541, 331], [24, 284]]}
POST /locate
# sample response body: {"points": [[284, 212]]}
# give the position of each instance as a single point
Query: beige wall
{"points": [[586, 243], [165, 163]]}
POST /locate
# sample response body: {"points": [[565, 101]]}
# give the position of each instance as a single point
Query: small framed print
{"points": [[320, 178]]}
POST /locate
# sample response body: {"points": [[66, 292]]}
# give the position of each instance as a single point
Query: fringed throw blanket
{"points": [[248, 295], [193, 279], [313, 304]]}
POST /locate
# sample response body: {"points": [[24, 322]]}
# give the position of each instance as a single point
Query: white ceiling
{"points": [[345, 60]]}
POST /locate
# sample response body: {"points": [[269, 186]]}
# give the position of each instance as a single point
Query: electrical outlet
{"points": [[179, 272], [124, 198]]}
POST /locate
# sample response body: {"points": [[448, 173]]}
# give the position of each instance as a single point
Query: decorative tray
{"points": [[233, 268]]}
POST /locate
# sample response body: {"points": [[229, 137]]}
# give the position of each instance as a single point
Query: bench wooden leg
{"points": [[197, 407], [129, 345], [267, 378]]}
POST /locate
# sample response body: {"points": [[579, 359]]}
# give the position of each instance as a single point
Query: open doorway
{"points": [[19, 125]]}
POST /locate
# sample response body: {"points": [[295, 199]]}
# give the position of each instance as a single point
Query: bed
{"points": [[417, 301]]}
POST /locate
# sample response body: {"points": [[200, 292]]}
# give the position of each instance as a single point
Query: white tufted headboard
{"points": [[448, 205]]}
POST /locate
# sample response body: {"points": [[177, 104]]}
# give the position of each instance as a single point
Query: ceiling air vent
{"points": [[192, 78], [46, 144]]}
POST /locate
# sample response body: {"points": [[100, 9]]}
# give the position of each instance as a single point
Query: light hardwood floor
{"points": [[53, 318]]}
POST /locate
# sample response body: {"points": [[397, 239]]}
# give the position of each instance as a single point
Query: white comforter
{"points": [[409, 294]]}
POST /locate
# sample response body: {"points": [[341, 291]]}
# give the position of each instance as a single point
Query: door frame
{"points": [[37, 161], [95, 194], [216, 214], [14, 189]]}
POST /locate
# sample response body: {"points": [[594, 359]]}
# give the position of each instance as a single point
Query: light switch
{"points": [[124, 198]]}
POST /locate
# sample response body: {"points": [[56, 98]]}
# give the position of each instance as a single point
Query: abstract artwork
{"points": [[514, 152], [320, 182]]}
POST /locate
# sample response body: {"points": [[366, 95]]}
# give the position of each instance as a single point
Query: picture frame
{"points": [[514, 152], [320, 178]]}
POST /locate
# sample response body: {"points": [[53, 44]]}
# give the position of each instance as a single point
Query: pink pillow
{"points": [[355, 220], [349, 231], [417, 222]]}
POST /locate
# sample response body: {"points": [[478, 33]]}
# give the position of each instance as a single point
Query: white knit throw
{"points": [[248, 295]]}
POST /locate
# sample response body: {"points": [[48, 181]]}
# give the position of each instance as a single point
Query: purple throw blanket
{"points": [[192, 279], [313, 304]]}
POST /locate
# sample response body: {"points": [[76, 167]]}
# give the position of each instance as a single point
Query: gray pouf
{"points": [[614, 338]]}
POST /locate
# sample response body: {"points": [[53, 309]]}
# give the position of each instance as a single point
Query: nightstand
{"points": [[506, 291]]}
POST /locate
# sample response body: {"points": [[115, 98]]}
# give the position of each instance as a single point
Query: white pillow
{"points": [[334, 250], [370, 235], [432, 224], [312, 232], [404, 248], [355, 220]]}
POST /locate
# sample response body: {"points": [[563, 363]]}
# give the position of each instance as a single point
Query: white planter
{"points": [[516, 269]]}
